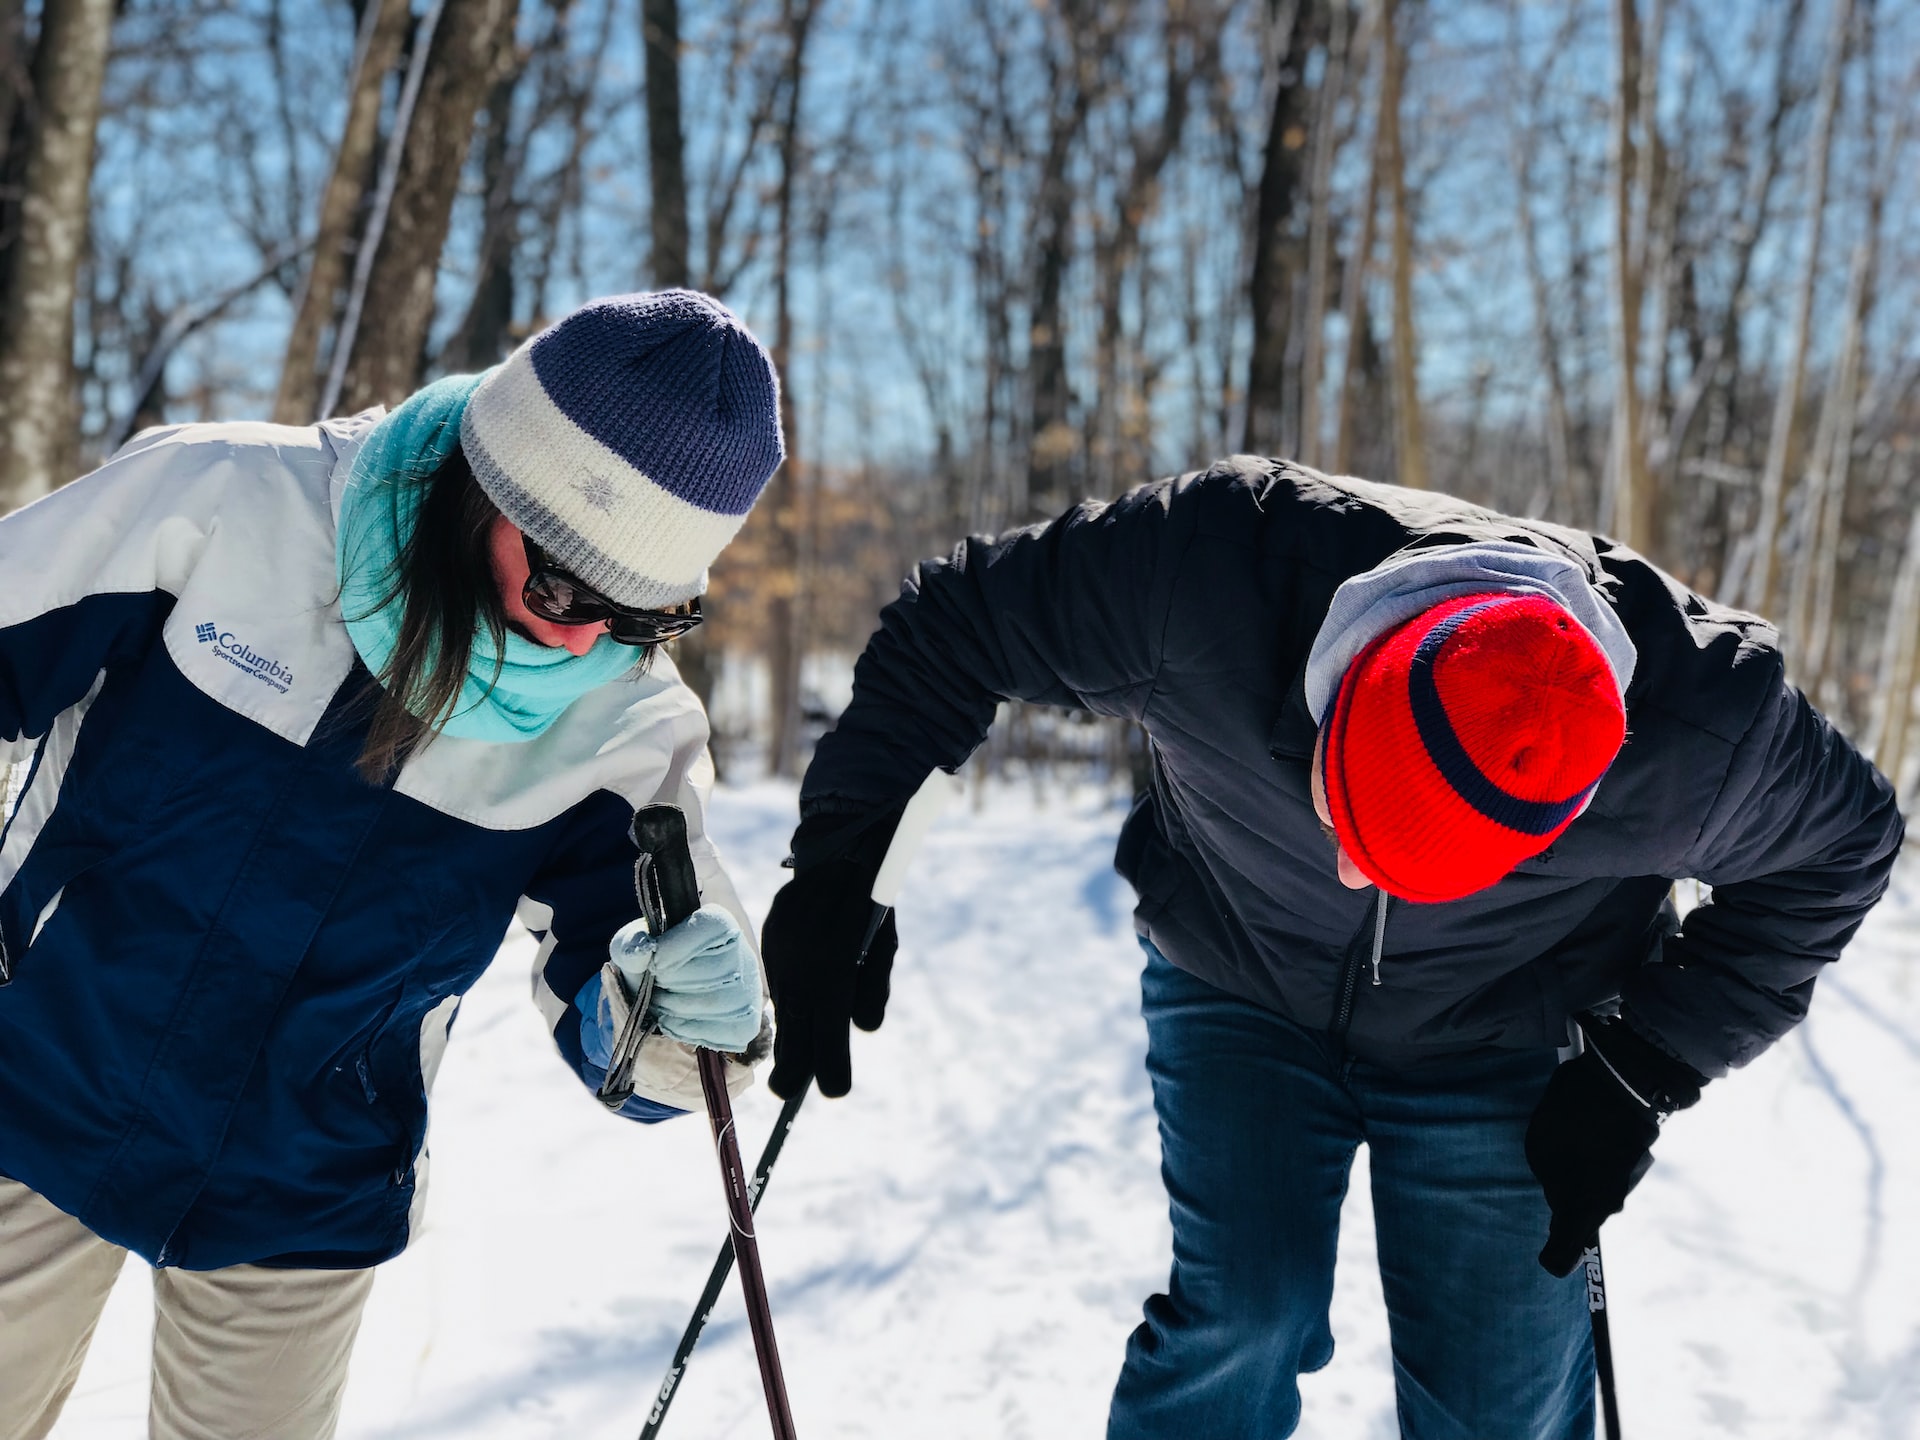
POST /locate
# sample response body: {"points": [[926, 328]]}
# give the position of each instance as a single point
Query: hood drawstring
{"points": [[1379, 930]]}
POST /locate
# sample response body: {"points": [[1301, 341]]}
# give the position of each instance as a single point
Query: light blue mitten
{"points": [[706, 986]]}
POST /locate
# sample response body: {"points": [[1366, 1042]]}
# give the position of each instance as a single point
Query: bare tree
{"points": [[1524, 138], [1630, 504], [666, 145], [14, 55], [564, 100], [487, 330], [472, 40], [1072, 56], [16, 119], [1409, 444], [1319, 235], [383, 28], [37, 434], [1891, 741], [1277, 261], [993, 144], [1780, 439], [667, 189], [783, 500], [1811, 602], [1354, 311], [1187, 46], [1716, 346]]}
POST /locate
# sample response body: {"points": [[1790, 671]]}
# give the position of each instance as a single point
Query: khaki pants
{"points": [[238, 1353]]}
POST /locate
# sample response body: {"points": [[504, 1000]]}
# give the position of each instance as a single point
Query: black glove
{"points": [[1591, 1136], [810, 945]]}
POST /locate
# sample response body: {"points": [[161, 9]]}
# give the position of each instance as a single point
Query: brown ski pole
{"points": [[746, 1248], [669, 893]]}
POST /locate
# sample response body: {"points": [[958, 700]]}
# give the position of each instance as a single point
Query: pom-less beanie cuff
{"points": [[629, 440], [1465, 740]]}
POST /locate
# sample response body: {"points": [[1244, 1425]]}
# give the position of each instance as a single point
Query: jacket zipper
{"points": [[1355, 961]]}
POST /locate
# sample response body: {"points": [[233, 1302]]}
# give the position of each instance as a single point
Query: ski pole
{"points": [[934, 795], [746, 1245], [669, 893], [1596, 1288], [1602, 1338], [717, 1277]]}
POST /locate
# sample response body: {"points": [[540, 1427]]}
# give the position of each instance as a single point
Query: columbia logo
{"points": [[243, 657]]}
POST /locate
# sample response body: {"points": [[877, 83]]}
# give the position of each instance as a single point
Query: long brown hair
{"points": [[443, 579]]}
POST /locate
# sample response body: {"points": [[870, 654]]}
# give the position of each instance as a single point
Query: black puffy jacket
{"points": [[1190, 605]]}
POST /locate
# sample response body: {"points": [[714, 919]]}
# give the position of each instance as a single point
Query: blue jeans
{"points": [[1259, 1121]]}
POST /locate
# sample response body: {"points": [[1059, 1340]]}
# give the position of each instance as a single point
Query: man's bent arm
{"points": [[1798, 847], [1070, 613]]}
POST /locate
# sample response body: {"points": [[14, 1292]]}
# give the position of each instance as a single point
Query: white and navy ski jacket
{"points": [[230, 964]]}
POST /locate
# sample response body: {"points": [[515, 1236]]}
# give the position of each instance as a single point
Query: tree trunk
{"points": [[1051, 440], [666, 145], [1409, 445], [1899, 658], [667, 182], [1319, 238], [1276, 251], [1560, 501], [1629, 510], [16, 90], [783, 501], [383, 27], [1810, 597], [467, 48], [1718, 361], [13, 71], [1810, 622], [1186, 46], [485, 332], [1353, 306], [37, 440], [1762, 587]]}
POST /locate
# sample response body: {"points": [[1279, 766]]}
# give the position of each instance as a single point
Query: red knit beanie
{"points": [[1466, 740]]}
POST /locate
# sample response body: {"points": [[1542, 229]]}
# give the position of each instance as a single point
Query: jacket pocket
{"points": [[30, 906]]}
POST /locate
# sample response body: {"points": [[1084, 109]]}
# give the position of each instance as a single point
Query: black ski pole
{"points": [[1602, 1338], [1596, 1289], [669, 893]]}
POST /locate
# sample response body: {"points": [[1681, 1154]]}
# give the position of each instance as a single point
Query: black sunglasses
{"points": [[563, 599]]}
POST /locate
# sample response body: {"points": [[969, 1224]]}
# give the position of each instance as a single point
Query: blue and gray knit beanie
{"points": [[630, 440]]}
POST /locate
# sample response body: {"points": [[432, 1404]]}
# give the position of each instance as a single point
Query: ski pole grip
{"points": [[663, 875]]}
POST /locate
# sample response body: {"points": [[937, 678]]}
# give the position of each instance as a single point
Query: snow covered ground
{"points": [[960, 1247]]}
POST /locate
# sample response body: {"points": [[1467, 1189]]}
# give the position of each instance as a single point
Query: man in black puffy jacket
{"points": [[1422, 778]]}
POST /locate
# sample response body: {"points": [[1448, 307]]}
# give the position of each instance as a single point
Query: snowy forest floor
{"points": [[961, 1246]]}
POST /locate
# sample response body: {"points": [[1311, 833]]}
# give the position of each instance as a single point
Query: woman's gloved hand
{"points": [[706, 986]]}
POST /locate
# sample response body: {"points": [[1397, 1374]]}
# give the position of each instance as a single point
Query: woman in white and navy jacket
{"points": [[305, 715]]}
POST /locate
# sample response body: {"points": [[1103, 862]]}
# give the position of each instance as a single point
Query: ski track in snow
{"points": [[961, 1247]]}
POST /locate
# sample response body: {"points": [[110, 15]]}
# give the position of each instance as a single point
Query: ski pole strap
{"points": [[668, 892], [617, 1087]]}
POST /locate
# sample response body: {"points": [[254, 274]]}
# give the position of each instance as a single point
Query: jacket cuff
{"points": [[1653, 1077], [858, 836]]}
